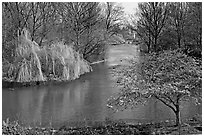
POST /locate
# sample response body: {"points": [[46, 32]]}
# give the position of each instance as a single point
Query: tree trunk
{"points": [[149, 44], [179, 40], [178, 117], [148, 48], [155, 43], [40, 43]]}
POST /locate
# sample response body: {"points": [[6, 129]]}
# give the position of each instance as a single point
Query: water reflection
{"points": [[80, 100]]}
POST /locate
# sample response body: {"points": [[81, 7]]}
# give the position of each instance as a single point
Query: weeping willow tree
{"points": [[64, 62], [33, 63]]}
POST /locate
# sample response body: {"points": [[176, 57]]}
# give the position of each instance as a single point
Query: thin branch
{"points": [[165, 103]]}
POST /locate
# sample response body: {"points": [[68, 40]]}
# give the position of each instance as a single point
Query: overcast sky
{"points": [[129, 7]]}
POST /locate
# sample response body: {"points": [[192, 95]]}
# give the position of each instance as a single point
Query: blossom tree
{"points": [[170, 77]]}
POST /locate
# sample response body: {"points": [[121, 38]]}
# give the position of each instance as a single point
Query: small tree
{"points": [[170, 77]]}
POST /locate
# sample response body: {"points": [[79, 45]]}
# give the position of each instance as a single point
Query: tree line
{"points": [[169, 25], [87, 25]]}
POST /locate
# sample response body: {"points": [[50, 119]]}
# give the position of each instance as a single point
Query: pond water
{"points": [[82, 100]]}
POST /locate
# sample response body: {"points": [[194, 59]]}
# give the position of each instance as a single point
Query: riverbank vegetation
{"points": [[34, 63], [44, 41]]}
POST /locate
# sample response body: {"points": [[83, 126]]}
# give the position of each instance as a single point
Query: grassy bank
{"points": [[192, 126]]}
